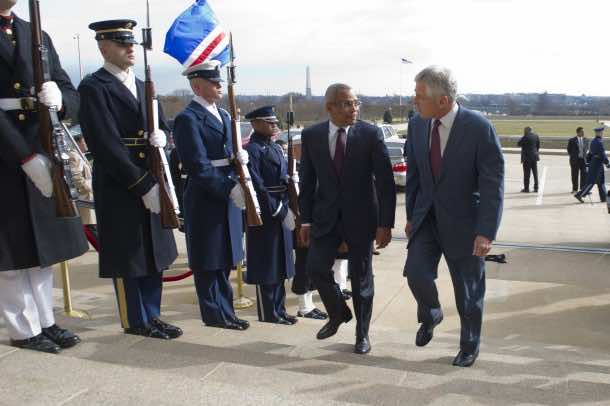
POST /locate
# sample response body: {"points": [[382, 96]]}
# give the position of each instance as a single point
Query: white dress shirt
{"points": [[126, 77], [211, 107], [444, 129], [332, 137]]}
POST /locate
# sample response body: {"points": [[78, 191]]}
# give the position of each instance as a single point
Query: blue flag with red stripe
{"points": [[196, 36]]}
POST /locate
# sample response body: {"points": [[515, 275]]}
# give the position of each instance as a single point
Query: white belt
{"points": [[22, 103], [219, 163], [183, 176]]}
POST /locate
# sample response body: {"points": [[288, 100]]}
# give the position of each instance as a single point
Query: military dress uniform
{"points": [[597, 158], [212, 222], [269, 246], [32, 237], [134, 248]]}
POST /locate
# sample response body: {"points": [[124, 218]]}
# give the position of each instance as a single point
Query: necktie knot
{"points": [[437, 123]]}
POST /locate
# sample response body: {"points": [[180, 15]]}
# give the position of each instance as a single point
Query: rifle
{"points": [[156, 156], [50, 130], [253, 211], [293, 188]]}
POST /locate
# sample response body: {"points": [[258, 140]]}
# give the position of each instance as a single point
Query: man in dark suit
{"points": [[32, 237], [530, 147], [343, 161], [454, 195], [213, 198], [577, 150], [134, 247]]}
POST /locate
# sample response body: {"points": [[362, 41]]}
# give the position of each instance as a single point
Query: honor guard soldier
{"points": [[32, 237], [597, 158], [269, 246], [134, 248], [213, 199]]}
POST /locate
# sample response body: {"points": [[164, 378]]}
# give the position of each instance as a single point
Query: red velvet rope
{"points": [[173, 278]]}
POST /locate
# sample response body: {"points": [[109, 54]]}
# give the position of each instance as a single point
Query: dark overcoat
{"points": [[213, 224], [30, 233], [597, 158], [269, 247], [132, 242]]}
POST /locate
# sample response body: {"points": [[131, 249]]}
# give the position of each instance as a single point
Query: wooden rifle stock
{"points": [[63, 203], [169, 219], [293, 188]]}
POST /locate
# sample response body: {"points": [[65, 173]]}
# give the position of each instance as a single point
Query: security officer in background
{"points": [[134, 248], [269, 246], [32, 237], [597, 158], [213, 199]]}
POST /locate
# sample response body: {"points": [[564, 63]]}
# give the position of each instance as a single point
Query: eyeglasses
{"points": [[345, 104]]}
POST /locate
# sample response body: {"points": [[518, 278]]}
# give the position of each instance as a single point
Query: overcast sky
{"points": [[493, 46]]}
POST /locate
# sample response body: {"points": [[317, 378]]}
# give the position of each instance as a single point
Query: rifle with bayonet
{"points": [[156, 157], [253, 211], [50, 130], [293, 187]]}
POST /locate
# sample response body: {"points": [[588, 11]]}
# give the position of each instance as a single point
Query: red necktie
{"points": [[435, 150], [339, 151]]}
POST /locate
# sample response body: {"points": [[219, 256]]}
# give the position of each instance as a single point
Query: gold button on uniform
{"points": [[142, 155], [17, 86], [21, 117]]}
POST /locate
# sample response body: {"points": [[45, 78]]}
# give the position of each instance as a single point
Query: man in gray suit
{"points": [[454, 204]]}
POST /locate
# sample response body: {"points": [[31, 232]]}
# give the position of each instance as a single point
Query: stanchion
{"points": [[70, 312], [241, 302]]}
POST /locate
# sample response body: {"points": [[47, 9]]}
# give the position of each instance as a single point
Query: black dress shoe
{"points": [[426, 331], [314, 314], [244, 323], [525, 190], [279, 320], [62, 337], [37, 343], [363, 346], [150, 331], [331, 327], [291, 319], [229, 325], [170, 330], [347, 294], [465, 359], [579, 197]]}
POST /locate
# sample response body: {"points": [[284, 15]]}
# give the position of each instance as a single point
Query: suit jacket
{"points": [[596, 158], [132, 241], [213, 224], [31, 234], [467, 196], [362, 196], [573, 148], [530, 146]]}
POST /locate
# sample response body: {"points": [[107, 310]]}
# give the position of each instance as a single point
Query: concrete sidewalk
{"points": [[545, 334]]}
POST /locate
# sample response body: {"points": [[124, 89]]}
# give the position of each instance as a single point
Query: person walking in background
{"points": [[530, 147], [597, 158], [578, 147]]}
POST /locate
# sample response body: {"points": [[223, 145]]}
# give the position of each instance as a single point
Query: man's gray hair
{"points": [[333, 90], [439, 80]]}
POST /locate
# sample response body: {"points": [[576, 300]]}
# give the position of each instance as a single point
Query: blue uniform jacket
{"points": [[270, 255], [213, 224], [596, 158]]}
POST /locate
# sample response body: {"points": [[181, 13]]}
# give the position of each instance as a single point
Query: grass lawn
{"points": [[546, 126]]}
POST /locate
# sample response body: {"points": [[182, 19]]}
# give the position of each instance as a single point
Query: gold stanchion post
{"points": [[70, 312], [241, 302]]}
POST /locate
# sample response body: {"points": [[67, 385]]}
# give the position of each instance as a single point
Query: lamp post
{"points": [[403, 61], [80, 65]]}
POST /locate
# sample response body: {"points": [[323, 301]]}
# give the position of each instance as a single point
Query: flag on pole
{"points": [[405, 60], [196, 37]]}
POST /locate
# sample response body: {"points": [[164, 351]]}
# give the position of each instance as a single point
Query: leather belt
{"points": [[134, 142], [21, 103], [276, 189]]}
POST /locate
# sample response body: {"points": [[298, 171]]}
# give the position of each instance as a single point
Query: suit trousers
{"points": [[578, 169], [271, 302], [139, 299], [26, 301], [215, 295], [301, 282], [322, 254], [530, 168], [468, 277]]}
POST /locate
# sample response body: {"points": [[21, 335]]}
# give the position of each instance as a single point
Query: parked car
{"points": [[245, 128], [396, 146]]}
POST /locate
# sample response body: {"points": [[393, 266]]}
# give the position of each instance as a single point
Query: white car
{"points": [[396, 147]]}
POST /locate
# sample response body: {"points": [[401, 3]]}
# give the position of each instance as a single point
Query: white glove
{"points": [[289, 220], [243, 157], [237, 195], [38, 170], [50, 95], [295, 178], [152, 201], [158, 139]]}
